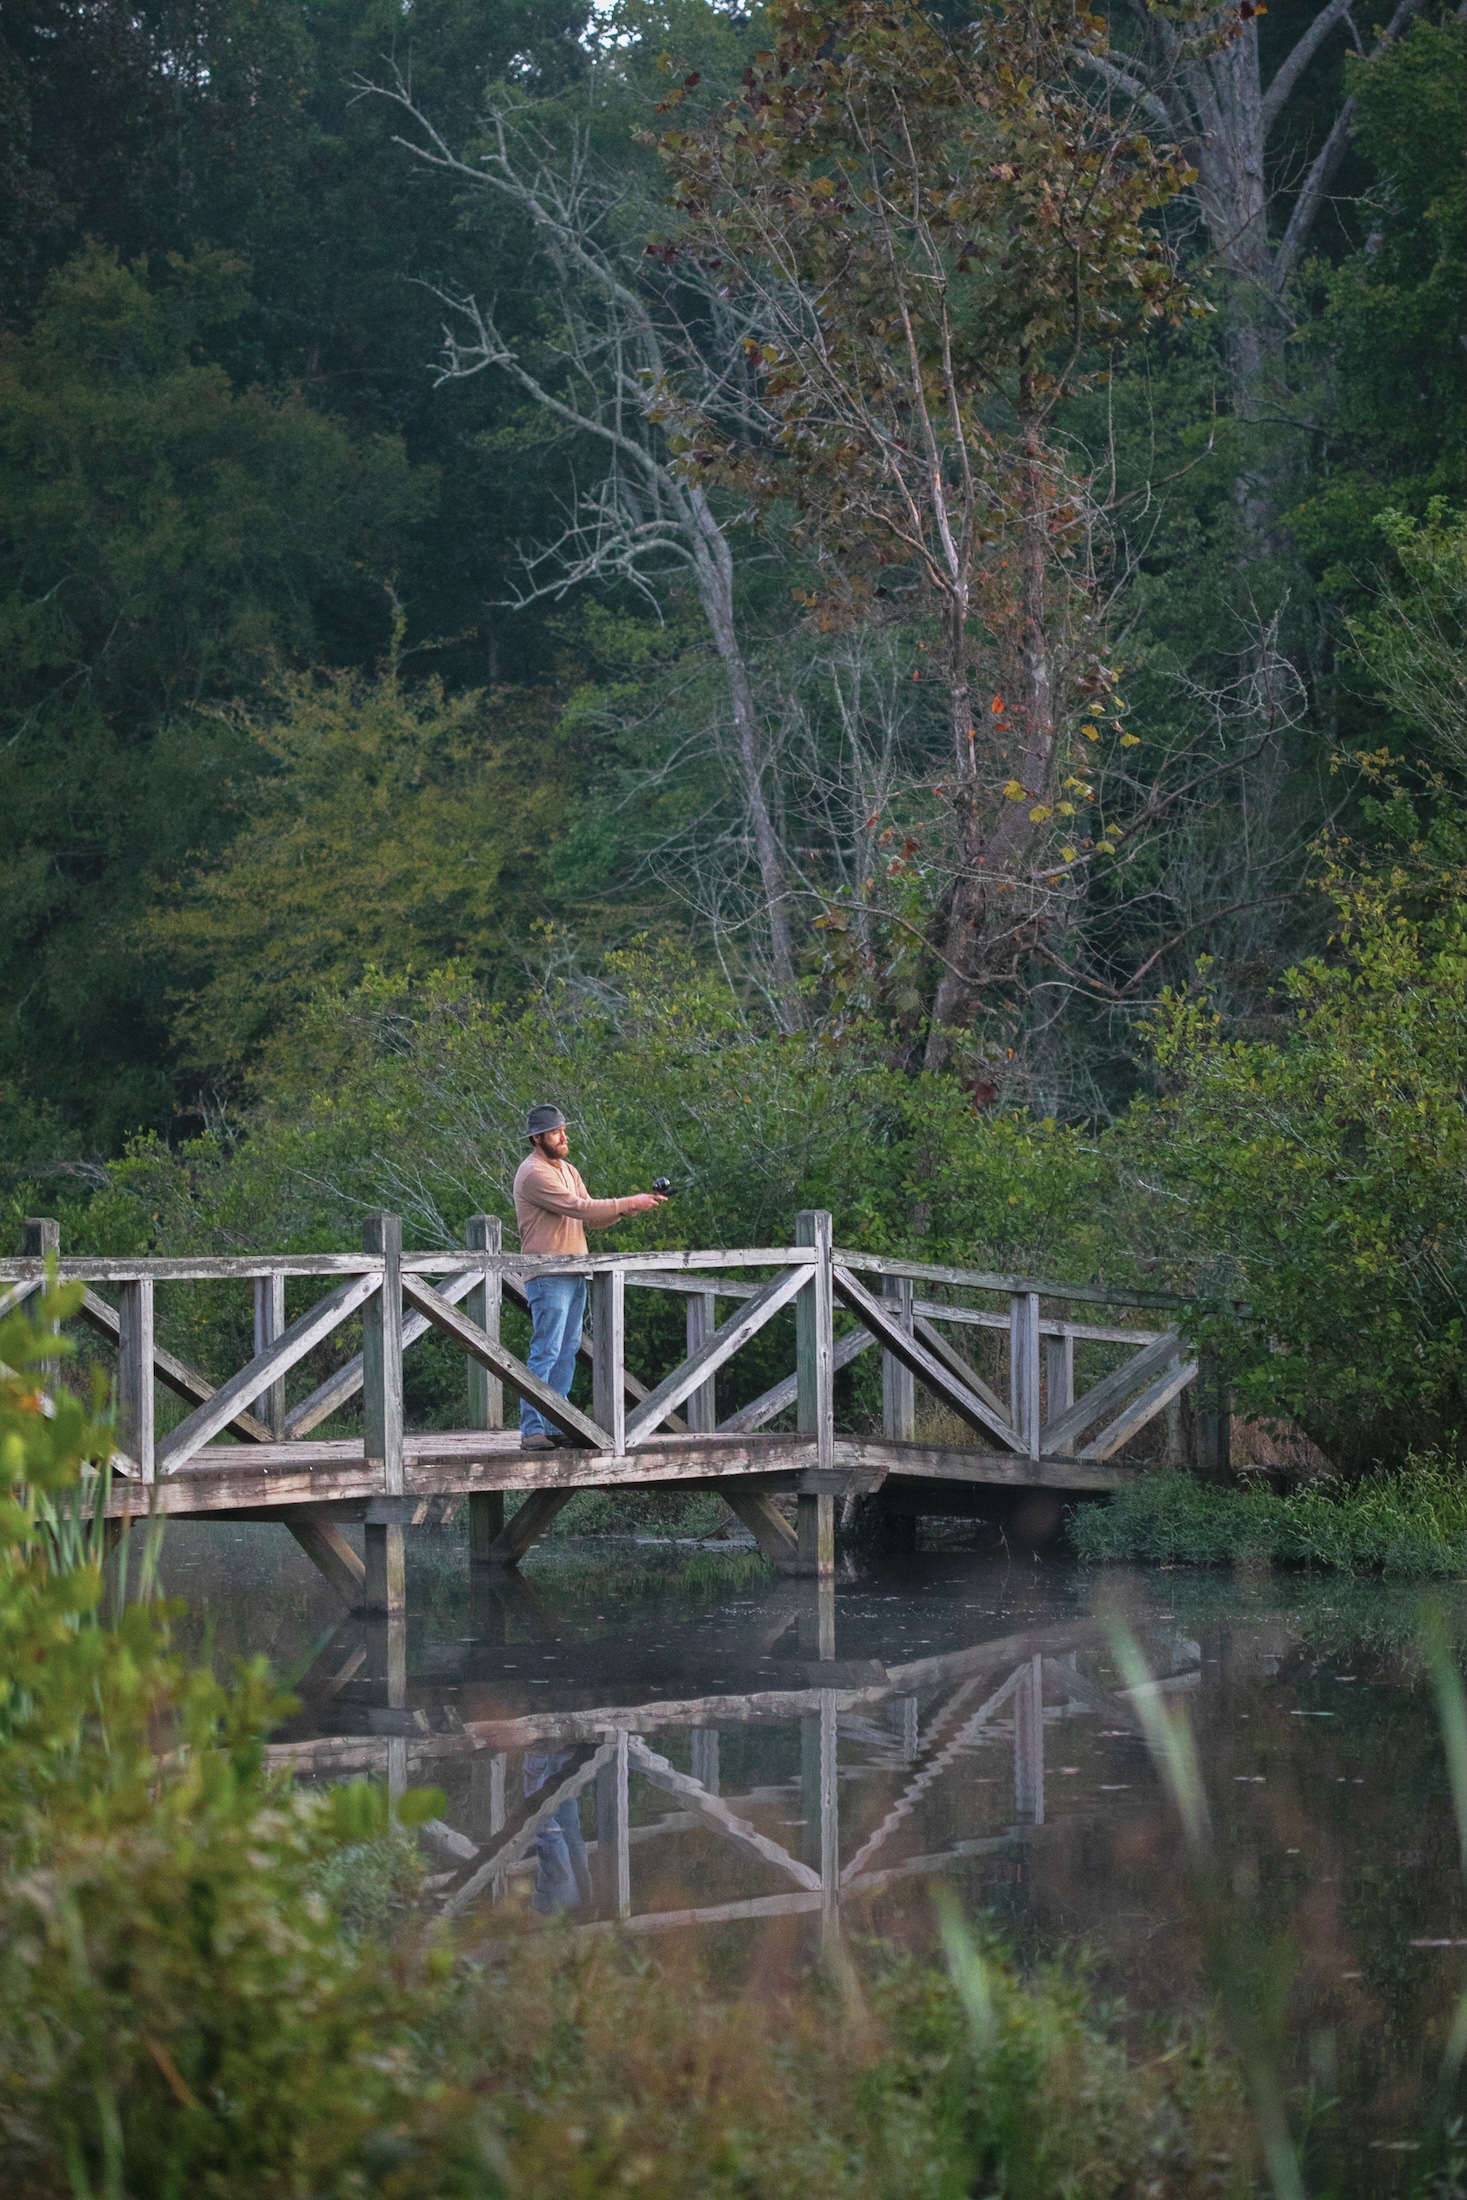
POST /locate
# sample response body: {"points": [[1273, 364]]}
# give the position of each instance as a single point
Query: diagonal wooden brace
{"points": [[712, 1807], [1111, 1391], [304, 1333], [775, 1537], [1141, 1410], [499, 1360], [711, 1355], [939, 1378], [783, 1394], [184, 1381], [328, 1397]]}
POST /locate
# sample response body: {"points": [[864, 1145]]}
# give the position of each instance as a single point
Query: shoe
{"points": [[537, 1443]]}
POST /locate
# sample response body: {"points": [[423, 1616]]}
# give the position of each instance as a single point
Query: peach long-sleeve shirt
{"points": [[553, 1208]]}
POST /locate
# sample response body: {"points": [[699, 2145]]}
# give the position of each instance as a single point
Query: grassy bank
{"points": [[1408, 1525]]}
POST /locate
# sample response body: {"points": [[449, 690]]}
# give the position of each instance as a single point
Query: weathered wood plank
{"points": [[1152, 1400], [136, 1420], [608, 1355], [1059, 1379], [189, 1268], [471, 1338], [720, 1347], [1024, 1369], [924, 1364], [303, 1334], [974, 1279], [701, 1319], [898, 1384], [483, 1234], [382, 1408], [973, 1317], [1002, 1469], [738, 1830], [1109, 1392], [269, 1322], [814, 1340]]}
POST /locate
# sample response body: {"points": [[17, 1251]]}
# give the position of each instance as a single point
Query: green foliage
{"points": [[1407, 1525], [1325, 1177], [165, 536], [419, 1093], [1390, 314], [1413, 639], [383, 825]]}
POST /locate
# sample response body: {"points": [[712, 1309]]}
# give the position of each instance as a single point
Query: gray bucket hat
{"points": [[543, 1118]]}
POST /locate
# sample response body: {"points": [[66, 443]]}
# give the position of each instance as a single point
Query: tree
{"points": [[937, 239], [383, 826], [1200, 80], [615, 338], [1320, 1178], [165, 540]]}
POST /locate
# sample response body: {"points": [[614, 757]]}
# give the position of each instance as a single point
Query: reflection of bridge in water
{"points": [[820, 1782]]}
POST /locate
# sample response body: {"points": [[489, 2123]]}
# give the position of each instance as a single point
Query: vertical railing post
{"points": [[898, 1386], [609, 1354], [704, 1743], [701, 1409], [815, 1403], [820, 1796], [1029, 1743], [1059, 1381], [1214, 1418], [1024, 1368], [382, 1417], [613, 1830], [40, 1237], [269, 1322], [136, 1425], [485, 1234]]}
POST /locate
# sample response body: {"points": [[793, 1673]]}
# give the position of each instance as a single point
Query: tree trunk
{"points": [[716, 593]]}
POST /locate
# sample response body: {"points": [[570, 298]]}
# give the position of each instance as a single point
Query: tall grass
{"points": [[1411, 1524]]}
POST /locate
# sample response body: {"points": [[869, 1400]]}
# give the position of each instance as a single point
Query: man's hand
{"points": [[642, 1203]]}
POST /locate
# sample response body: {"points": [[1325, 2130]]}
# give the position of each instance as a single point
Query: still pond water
{"points": [[670, 1735]]}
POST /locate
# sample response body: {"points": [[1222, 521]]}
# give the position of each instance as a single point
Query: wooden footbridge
{"points": [[245, 1449]]}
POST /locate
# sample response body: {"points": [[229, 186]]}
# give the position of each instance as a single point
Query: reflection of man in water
{"points": [[563, 1876]]}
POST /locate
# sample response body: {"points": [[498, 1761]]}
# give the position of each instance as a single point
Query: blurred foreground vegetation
{"points": [[198, 1995]]}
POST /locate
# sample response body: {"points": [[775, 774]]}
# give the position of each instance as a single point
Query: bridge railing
{"points": [[844, 1303]]}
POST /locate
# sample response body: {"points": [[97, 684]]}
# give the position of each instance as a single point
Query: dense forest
{"points": [[873, 600]]}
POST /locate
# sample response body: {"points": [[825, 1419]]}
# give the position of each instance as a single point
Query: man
{"points": [[554, 1212]]}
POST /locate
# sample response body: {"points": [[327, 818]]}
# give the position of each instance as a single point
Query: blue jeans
{"points": [[558, 1310]]}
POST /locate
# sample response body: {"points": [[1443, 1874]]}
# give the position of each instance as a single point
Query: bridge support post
{"points": [[269, 1322], [485, 1234], [814, 1396], [1024, 1368], [1059, 1381], [385, 1588], [135, 1400], [609, 1353], [701, 1409], [41, 1235], [898, 1385]]}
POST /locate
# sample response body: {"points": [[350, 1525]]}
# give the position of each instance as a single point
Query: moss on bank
{"points": [[1411, 1524]]}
